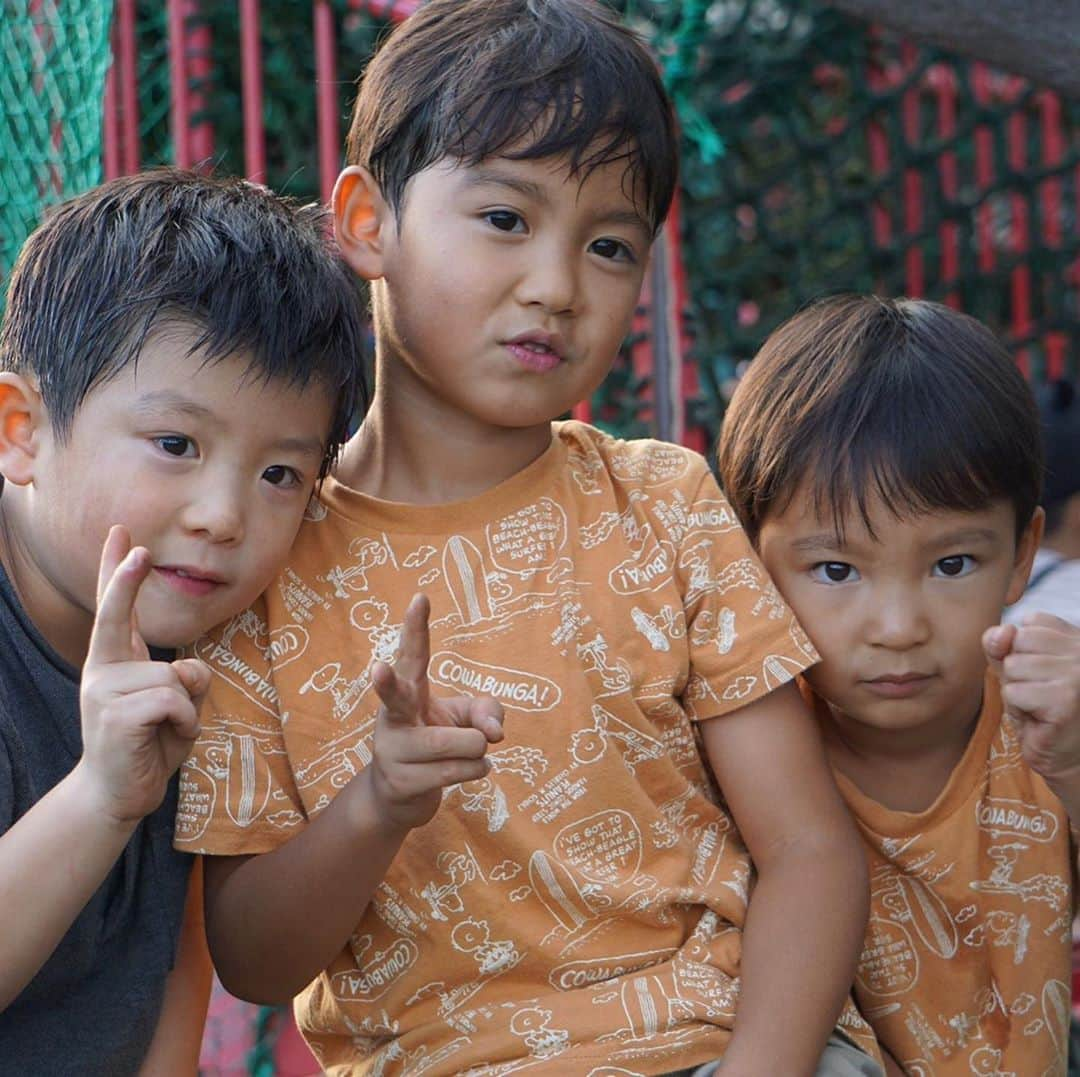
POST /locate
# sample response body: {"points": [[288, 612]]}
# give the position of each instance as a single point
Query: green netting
{"points": [[53, 59]]}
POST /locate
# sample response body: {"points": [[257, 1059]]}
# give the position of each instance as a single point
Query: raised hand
{"points": [[422, 744], [139, 717], [1038, 663]]}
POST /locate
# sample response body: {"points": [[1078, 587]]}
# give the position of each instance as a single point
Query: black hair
{"points": [[521, 79], [903, 399], [252, 272]]}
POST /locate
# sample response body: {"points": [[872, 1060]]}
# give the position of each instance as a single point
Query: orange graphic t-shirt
{"points": [[578, 911], [965, 969]]}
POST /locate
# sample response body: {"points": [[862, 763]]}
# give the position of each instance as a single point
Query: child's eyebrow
{"points": [[161, 400], [482, 176], [829, 540], [965, 535]]}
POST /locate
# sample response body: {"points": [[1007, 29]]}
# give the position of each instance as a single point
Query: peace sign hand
{"points": [[422, 744], [139, 717]]}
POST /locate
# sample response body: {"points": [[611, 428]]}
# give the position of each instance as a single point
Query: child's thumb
{"points": [[194, 676], [997, 643]]}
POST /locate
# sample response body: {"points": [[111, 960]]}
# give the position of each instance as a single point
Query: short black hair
{"points": [[251, 271], [521, 79], [905, 399]]}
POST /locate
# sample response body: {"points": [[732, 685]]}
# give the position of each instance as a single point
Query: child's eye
{"points": [[280, 475], [505, 220], [175, 445], [834, 572], [613, 249], [959, 564]]}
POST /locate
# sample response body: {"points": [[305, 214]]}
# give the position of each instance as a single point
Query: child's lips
{"points": [[899, 686], [188, 581]]}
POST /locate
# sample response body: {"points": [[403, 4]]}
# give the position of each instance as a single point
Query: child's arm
{"points": [[139, 719], [892, 1067], [807, 913], [276, 920], [1038, 663], [177, 1039]]}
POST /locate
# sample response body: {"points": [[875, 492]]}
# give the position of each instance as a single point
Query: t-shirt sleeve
{"points": [[237, 791], [743, 640]]}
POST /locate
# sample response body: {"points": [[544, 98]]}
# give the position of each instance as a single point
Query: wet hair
{"points": [[858, 397], [1059, 413], [521, 79], [251, 272]]}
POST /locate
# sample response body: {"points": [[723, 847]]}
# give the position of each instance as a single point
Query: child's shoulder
{"points": [[630, 462]]}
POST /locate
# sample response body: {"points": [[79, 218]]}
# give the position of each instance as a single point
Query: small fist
{"points": [[1038, 663]]}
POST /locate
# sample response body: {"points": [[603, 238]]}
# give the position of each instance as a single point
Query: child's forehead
{"points": [[883, 519]]}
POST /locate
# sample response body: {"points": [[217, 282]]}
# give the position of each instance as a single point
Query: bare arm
{"points": [[275, 921], [808, 910], [174, 1050]]}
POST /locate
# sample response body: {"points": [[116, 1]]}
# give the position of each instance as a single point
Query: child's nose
{"points": [[550, 280], [898, 620], [216, 514]]}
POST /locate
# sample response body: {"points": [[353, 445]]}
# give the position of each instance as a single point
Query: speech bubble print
{"points": [[605, 847], [529, 540]]}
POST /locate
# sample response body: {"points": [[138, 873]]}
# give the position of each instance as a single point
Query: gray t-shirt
{"points": [[94, 1005]]}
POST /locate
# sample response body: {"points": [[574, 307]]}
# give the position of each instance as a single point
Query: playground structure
{"points": [[819, 154]]}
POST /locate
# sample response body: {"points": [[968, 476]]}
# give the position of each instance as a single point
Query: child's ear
{"points": [[1026, 547], [360, 216], [21, 417]]}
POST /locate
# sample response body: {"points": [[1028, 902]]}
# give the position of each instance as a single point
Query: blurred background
{"points": [[822, 150]]}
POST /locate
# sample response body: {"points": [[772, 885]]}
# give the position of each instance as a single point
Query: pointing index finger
{"points": [[111, 637]]}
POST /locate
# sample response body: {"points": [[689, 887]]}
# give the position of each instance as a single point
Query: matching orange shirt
{"points": [[578, 911]]}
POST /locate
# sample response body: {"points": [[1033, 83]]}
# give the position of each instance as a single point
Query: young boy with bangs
{"points": [[884, 458], [570, 895], [178, 364]]}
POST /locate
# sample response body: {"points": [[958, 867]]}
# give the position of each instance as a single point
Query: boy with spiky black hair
{"points": [[570, 894], [884, 457], [178, 366]]}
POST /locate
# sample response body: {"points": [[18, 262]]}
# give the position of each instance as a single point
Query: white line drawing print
{"points": [[659, 630], [482, 795], [248, 624], [559, 893], [1002, 817], [1005, 929], [605, 847], [647, 568], [515, 688], [533, 1026], [370, 981], [420, 557], [778, 669], [371, 618], [717, 629], [466, 580], [473, 937], [443, 898], [528, 763], [584, 468], [656, 465], [366, 554], [589, 744], [339, 761], [1056, 1000], [345, 693], [912, 902], [614, 678], [633, 529], [1050, 889]]}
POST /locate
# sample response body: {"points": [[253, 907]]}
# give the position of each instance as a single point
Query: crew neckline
{"points": [[376, 514], [895, 823]]}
